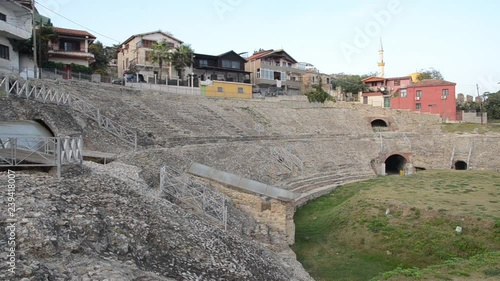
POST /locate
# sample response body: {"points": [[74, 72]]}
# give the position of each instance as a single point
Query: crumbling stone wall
{"points": [[274, 218]]}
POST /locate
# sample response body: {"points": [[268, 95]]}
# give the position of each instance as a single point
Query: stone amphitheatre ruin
{"points": [[255, 161]]}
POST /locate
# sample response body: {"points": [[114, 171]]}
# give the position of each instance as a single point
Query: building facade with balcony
{"points": [[275, 72], [136, 50], [15, 25], [228, 66], [382, 90], [71, 47]]}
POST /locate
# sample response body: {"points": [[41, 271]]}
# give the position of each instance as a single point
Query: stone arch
{"points": [[395, 163], [45, 125], [461, 165], [379, 123]]}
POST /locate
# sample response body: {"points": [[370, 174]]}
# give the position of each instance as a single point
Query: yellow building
{"points": [[225, 89]]}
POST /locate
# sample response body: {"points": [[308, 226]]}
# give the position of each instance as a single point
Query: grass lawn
{"points": [[365, 229], [472, 128]]}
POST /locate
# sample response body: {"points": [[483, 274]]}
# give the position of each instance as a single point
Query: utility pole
{"points": [[35, 59], [480, 104]]}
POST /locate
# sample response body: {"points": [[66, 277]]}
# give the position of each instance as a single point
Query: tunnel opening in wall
{"points": [[379, 125], [461, 165], [44, 125], [394, 164]]}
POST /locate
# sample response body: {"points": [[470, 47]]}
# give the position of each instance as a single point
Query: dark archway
{"points": [[460, 165], [41, 122], [394, 164], [379, 123]]}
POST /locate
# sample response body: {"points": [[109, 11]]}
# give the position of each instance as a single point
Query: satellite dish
{"points": [[382, 89]]}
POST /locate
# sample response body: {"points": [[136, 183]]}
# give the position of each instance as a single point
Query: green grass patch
{"points": [[473, 128], [347, 234]]}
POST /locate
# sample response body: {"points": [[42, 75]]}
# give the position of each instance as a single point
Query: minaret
{"points": [[381, 64]]}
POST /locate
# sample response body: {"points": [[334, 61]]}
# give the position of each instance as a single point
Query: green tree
{"points": [[44, 34], [101, 59], [492, 105], [318, 94], [161, 53], [182, 57], [350, 83], [429, 74]]}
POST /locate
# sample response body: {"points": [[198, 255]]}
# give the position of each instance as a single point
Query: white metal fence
{"points": [[167, 88], [27, 90], [35, 151], [194, 194]]}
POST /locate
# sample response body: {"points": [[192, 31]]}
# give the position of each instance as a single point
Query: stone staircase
{"points": [[319, 184]]}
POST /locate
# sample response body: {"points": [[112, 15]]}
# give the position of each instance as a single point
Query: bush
{"points": [[318, 94]]}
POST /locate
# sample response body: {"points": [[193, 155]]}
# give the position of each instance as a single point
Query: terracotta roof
{"points": [[430, 83], [152, 32], [260, 54], [373, 79], [73, 32]]}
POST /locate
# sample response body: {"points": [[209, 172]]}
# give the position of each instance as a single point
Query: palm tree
{"points": [[182, 57], [162, 53]]}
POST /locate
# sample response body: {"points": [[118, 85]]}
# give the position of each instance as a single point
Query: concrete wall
{"points": [[473, 117], [227, 90], [12, 64]]}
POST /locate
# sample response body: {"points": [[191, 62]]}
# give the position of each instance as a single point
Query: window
{"points": [[240, 90], [3, 17], [69, 46], [397, 83], [220, 89], [4, 52], [445, 93], [283, 76], [418, 106], [266, 74], [374, 84], [419, 93], [230, 64], [203, 63], [403, 93]]}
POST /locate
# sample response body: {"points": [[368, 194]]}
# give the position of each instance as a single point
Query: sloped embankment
{"points": [[93, 226]]}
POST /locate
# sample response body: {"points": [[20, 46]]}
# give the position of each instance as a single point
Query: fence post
{"points": [[98, 118], [135, 141], [58, 156], [7, 81]]}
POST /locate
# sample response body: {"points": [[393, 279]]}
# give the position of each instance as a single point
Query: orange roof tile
{"points": [[73, 32]]}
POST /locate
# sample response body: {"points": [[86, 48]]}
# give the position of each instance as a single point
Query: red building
{"points": [[429, 96]]}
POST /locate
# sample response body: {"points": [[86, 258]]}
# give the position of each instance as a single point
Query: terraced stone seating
{"points": [[319, 184]]}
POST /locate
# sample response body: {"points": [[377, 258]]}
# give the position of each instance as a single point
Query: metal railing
{"points": [[194, 194], [287, 159], [36, 151], [385, 138], [24, 89]]}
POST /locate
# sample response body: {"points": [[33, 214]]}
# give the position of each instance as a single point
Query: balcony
{"points": [[288, 83], [13, 31], [273, 66], [76, 55]]}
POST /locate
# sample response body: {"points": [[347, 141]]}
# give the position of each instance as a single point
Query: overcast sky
{"points": [[459, 38]]}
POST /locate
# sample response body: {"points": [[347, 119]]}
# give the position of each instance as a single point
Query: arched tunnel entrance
{"points": [[394, 164], [460, 165], [379, 123]]}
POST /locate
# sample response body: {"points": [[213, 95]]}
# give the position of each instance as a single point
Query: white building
{"points": [[15, 25]]}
